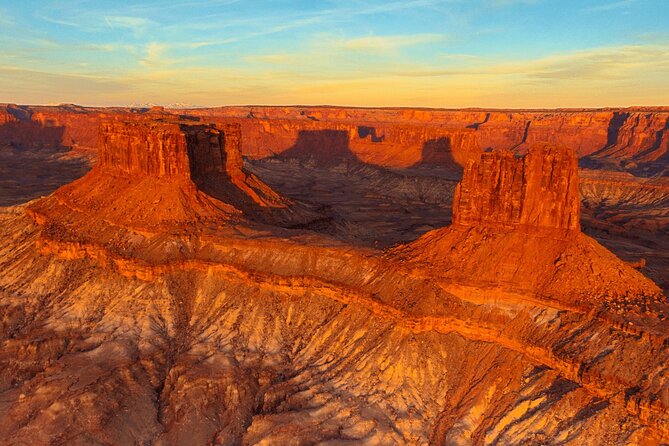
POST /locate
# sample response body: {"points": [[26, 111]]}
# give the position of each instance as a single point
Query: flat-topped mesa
{"points": [[516, 228], [165, 174], [538, 190], [170, 149]]}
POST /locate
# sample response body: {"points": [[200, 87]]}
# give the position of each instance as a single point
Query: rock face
{"points": [[538, 190], [169, 149], [389, 144], [634, 139]]}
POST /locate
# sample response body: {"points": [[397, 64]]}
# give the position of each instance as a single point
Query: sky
{"points": [[420, 53]]}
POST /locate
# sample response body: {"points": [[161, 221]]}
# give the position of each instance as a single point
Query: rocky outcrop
{"points": [[156, 173], [169, 149], [140, 296], [537, 190], [516, 226]]}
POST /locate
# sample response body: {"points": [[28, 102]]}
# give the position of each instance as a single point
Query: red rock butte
{"points": [[170, 149], [156, 173], [516, 227], [537, 190], [149, 302]]}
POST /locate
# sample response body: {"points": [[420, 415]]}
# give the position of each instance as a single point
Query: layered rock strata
{"points": [[117, 327], [634, 139]]}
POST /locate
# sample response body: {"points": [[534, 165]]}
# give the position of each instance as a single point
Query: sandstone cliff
{"points": [[169, 149], [137, 308], [634, 139], [539, 189]]}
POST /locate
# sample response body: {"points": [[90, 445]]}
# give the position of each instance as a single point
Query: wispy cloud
{"points": [[96, 22], [620, 4], [595, 65], [154, 55], [601, 64], [275, 59], [387, 43], [134, 24], [5, 19]]}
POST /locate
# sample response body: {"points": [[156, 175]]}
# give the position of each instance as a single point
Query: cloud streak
{"points": [[621, 4], [387, 43]]}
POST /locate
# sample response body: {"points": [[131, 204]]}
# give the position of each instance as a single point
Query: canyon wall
{"points": [[635, 139], [539, 189], [392, 144]]}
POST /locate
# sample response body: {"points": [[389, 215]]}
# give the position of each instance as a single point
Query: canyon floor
{"points": [[345, 310]]}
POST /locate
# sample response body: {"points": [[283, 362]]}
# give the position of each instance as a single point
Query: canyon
{"points": [[327, 275]]}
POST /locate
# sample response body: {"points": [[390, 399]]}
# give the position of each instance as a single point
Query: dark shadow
{"points": [[308, 116], [476, 125], [525, 133], [613, 131], [438, 153], [612, 134], [361, 203], [604, 159], [593, 160], [659, 167], [33, 161], [24, 132], [323, 147], [364, 132]]}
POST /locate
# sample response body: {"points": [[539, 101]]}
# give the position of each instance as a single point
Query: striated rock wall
{"points": [[635, 139], [402, 144], [539, 189], [621, 135]]}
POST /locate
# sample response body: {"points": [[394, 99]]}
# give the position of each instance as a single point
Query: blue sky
{"points": [[435, 53]]}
